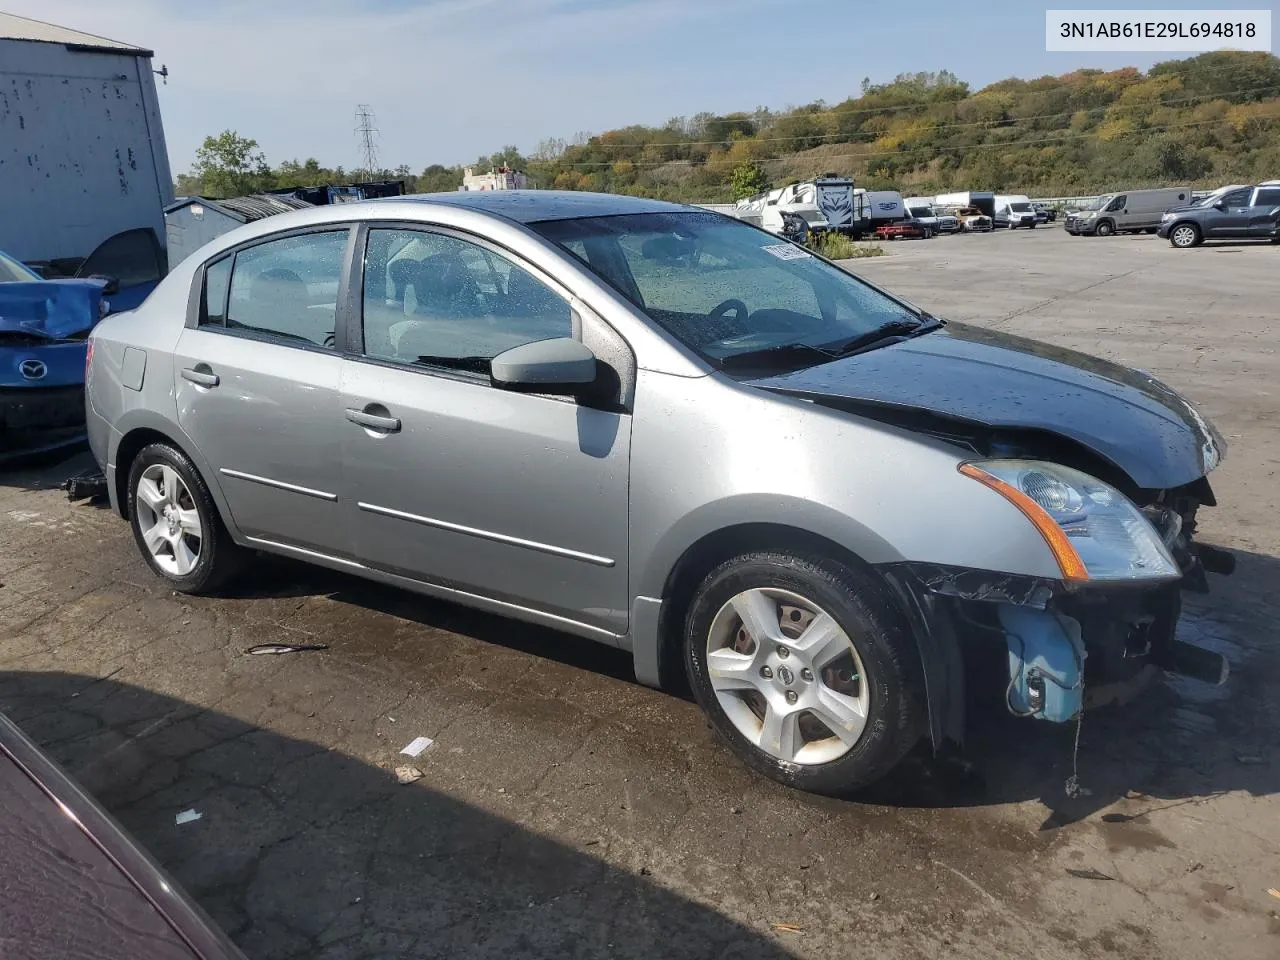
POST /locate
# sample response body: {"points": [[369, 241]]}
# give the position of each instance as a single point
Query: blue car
{"points": [[44, 326]]}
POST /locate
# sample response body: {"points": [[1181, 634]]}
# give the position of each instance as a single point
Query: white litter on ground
{"points": [[416, 746], [408, 774], [187, 816]]}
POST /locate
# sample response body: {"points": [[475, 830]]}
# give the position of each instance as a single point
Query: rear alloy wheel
{"points": [[176, 524], [804, 666], [1106, 229], [1184, 235]]}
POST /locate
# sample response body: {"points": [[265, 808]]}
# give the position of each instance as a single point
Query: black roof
{"points": [[533, 206]]}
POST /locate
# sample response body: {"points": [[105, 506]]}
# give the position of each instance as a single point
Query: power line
{"points": [[367, 138]]}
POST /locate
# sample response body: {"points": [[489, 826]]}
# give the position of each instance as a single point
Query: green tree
{"points": [[748, 178], [230, 165]]}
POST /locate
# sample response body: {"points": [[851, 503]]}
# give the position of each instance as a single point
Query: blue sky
{"points": [[452, 79]]}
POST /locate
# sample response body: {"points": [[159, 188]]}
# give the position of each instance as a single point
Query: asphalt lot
{"points": [[565, 811]]}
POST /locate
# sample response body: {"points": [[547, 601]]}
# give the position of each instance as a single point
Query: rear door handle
{"points": [[373, 421], [204, 377]]}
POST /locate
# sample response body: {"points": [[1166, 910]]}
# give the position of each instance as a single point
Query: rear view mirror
{"points": [[562, 365], [666, 249]]}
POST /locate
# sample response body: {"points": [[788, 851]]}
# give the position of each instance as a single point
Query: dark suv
{"points": [[1245, 213]]}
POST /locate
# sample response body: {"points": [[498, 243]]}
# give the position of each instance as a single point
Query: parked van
{"points": [[1014, 211], [1132, 211]]}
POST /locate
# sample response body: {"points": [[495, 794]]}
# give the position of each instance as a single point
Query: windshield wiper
{"points": [[893, 330], [782, 355], [472, 364]]}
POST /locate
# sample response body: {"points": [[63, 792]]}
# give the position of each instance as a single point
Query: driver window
{"points": [[429, 295], [1117, 204], [1237, 198]]}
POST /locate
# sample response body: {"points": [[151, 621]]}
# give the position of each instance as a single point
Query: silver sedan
{"points": [[666, 430]]}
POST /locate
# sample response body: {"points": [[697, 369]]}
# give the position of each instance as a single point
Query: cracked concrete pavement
{"points": [[565, 811]]}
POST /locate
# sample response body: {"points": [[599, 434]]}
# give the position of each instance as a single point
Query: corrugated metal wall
{"points": [[187, 233], [82, 153]]}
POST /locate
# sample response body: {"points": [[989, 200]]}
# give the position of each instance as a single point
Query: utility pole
{"points": [[367, 138]]}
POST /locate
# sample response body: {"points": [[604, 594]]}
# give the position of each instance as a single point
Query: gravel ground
{"points": [[564, 811]]}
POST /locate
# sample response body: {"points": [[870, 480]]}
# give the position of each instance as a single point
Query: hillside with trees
{"points": [[1207, 120]]}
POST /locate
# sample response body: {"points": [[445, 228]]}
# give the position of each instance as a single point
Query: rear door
{"points": [[256, 376], [515, 497], [1264, 212]]}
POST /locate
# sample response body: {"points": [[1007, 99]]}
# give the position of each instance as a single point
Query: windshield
{"points": [[11, 271], [724, 288], [1020, 207], [1099, 203], [920, 211]]}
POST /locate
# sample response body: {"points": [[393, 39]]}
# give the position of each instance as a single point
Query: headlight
{"points": [[1168, 216], [1094, 531]]}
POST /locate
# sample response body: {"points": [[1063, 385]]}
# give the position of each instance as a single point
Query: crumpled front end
{"points": [[1050, 648], [44, 326]]}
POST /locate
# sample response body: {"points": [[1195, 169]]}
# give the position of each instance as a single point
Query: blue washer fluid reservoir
{"points": [[1046, 663]]}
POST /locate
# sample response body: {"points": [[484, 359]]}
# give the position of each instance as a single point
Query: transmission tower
{"points": [[367, 138]]}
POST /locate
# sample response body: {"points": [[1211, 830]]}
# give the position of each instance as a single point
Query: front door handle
{"points": [[373, 421], [201, 374]]}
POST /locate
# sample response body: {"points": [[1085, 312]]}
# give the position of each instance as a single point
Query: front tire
{"points": [[806, 668], [176, 524], [1105, 229], [1185, 236]]}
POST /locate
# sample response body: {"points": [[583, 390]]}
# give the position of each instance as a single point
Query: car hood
{"points": [[995, 380], [52, 309]]}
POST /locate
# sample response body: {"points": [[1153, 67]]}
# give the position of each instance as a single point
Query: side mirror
{"points": [[1219, 205], [110, 285], [562, 365]]}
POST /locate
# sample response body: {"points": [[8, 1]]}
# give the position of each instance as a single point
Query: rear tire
{"points": [[1185, 236], [759, 700], [176, 523], [1106, 228]]}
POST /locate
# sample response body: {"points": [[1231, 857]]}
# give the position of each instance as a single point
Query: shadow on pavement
{"points": [[302, 851]]}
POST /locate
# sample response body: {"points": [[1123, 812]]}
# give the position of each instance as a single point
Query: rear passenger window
{"points": [[217, 278], [288, 288], [1267, 198]]}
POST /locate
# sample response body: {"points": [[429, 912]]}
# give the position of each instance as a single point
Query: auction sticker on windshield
{"points": [[787, 251]]}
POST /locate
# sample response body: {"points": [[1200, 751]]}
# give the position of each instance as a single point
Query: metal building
{"points": [[82, 152], [191, 222]]}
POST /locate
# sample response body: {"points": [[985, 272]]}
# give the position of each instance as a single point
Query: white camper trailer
{"points": [[809, 206]]}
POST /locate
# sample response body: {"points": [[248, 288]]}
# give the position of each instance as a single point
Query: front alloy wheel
{"points": [[787, 676], [806, 667], [1184, 235]]}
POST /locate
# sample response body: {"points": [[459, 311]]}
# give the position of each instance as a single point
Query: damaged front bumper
{"points": [[1048, 649]]}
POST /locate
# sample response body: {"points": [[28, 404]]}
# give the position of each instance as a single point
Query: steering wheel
{"points": [[737, 306]]}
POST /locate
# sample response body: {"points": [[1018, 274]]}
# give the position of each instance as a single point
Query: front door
{"points": [[515, 497], [1230, 217], [1264, 212], [256, 379]]}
